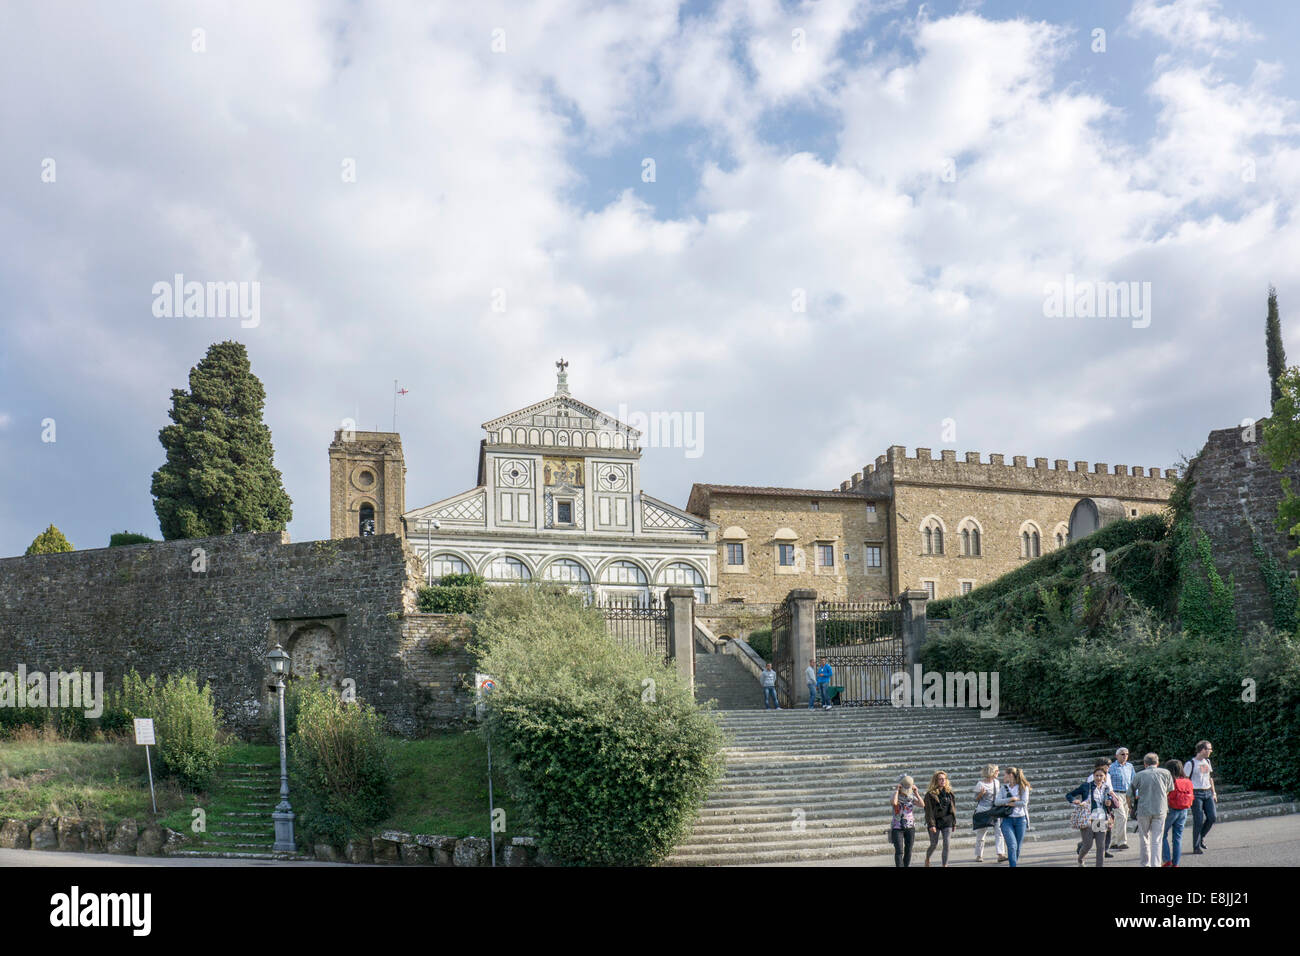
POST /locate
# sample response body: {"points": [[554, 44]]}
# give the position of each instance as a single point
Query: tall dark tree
{"points": [[1276, 354], [219, 477]]}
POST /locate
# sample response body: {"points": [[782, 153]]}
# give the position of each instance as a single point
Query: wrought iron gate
{"points": [[863, 642], [640, 625]]}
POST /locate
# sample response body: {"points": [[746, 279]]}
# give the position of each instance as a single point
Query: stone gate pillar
{"points": [[913, 602], [681, 632], [803, 638]]}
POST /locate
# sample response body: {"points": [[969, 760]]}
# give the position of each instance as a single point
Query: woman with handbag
{"points": [[982, 821], [1094, 804], [940, 813], [1014, 796], [902, 829]]}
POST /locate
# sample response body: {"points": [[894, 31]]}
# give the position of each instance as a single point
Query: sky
{"points": [[814, 229]]}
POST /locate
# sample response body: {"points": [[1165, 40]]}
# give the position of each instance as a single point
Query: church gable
{"points": [[467, 510], [658, 515], [562, 421]]}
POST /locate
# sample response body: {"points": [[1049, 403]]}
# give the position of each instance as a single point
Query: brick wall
{"points": [[145, 607], [1234, 491]]}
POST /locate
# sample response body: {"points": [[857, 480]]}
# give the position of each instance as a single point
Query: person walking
{"points": [[1204, 794], [769, 688], [902, 828], [1097, 794], [1180, 799], [940, 814], [810, 675], [1103, 763], [1150, 794], [1014, 793], [1121, 778], [824, 684], [985, 791]]}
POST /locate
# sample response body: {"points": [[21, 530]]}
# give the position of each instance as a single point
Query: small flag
{"points": [[402, 391]]}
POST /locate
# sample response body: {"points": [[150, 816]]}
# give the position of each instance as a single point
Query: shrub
{"points": [[185, 726], [123, 538], [50, 541], [453, 594], [340, 767], [761, 642], [605, 750], [12, 719]]}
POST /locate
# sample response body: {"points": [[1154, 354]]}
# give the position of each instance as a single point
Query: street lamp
{"points": [[283, 815]]}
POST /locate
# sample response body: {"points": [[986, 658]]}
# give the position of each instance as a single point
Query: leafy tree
{"points": [[219, 477], [1276, 353], [50, 541], [1280, 446]]}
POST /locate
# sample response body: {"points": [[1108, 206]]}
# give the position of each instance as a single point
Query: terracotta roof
{"points": [[781, 492]]}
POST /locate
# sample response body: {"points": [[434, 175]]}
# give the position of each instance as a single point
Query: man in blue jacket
{"points": [[824, 684]]}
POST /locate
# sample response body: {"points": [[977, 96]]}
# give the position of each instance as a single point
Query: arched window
{"points": [[1030, 540], [505, 569], [366, 520], [1062, 534], [965, 541], [441, 565], [623, 582], [932, 536], [970, 538], [1035, 542], [623, 572], [566, 571], [681, 574]]}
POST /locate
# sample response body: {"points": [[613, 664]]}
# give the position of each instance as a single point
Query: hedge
{"points": [[453, 594], [1151, 689], [604, 749]]}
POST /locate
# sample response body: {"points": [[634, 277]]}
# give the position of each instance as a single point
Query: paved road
{"points": [[1270, 841]]}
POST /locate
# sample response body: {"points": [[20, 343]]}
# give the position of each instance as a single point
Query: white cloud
{"points": [[1192, 24]]}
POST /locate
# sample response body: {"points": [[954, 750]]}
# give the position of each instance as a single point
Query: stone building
{"points": [[367, 484], [772, 540], [939, 525], [954, 525], [557, 498]]}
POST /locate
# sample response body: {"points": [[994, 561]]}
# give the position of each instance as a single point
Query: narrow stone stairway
{"points": [[813, 785], [239, 822], [722, 678]]}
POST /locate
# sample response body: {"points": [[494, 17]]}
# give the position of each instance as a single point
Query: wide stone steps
{"points": [[806, 785]]}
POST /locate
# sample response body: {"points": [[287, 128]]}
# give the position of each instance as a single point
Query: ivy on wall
{"points": [[1205, 604], [1281, 589]]}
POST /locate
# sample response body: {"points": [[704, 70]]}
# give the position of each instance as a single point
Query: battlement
{"points": [[1084, 478]]}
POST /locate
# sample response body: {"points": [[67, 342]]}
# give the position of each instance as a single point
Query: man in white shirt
{"points": [[810, 675], [1121, 778], [769, 688], [1150, 793], [1204, 794]]}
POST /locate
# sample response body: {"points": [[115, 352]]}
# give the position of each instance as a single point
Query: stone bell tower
{"points": [[367, 484]]}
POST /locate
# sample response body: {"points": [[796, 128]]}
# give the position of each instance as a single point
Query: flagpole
{"points": [[394, 405]]}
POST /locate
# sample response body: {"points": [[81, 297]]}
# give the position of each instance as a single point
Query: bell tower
{"points": [[367, 484]]}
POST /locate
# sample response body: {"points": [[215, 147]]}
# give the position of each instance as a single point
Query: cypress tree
{"points": [[50, 541], [219, 477], [1276, 354]]}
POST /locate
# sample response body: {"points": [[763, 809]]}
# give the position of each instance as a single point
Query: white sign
{"points": [[483, 685], [144, 730]]}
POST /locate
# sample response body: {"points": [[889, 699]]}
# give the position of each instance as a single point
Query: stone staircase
{"points": [[240, 826], [815, 785], [723, 678]]}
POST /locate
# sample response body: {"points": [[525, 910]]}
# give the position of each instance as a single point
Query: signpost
{"points": [[484, 685], [144, 736]]}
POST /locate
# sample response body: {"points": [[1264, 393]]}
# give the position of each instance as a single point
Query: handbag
{"points": [[1080, 816], [987, 818]]}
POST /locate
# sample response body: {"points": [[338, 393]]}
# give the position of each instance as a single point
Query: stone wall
{"points": [[216, 605], [1235, 495]]}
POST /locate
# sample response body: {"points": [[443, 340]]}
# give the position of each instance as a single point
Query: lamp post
{"points": [[283, 815]]}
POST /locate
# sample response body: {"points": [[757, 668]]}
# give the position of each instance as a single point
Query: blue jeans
{"points": [[1174, 828], [812, 696], [824, 692], [769, 695], [1013, 831], [1203, 816]]}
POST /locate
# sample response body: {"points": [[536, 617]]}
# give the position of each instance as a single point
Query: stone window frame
{"points": [[871, 511], [972, 546], [964, 581], [572, 502], [929, 524], [1030, 540], [785, 537], [931, 587], [868, 567], [738, 536], [818, 567], [1061, 534]]}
